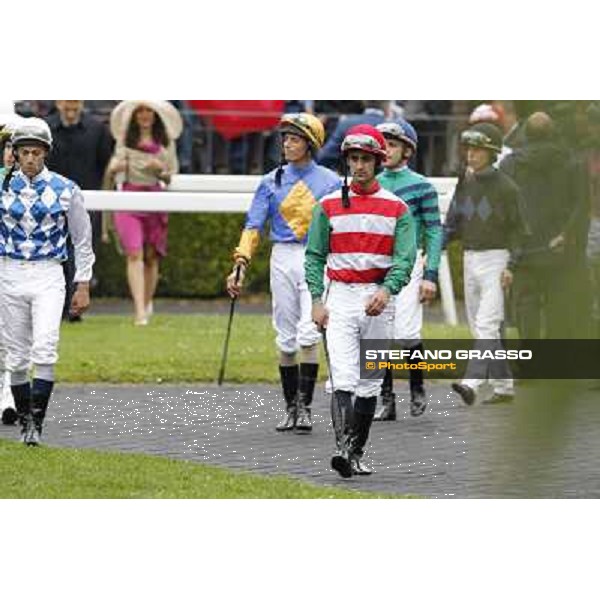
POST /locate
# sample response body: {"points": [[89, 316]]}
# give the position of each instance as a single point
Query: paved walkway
{"points": [[537, 447]]}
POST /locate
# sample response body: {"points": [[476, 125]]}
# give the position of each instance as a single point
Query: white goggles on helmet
{"points": [[392, 129], [362, 142]]}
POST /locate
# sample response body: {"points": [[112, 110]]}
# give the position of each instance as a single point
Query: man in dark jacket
{"points": [[374, 114], [484, 214], [516, 137], [82, 148], [541, 170]]}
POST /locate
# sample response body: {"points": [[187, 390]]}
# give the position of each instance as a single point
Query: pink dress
{"points": [[139, 229]]}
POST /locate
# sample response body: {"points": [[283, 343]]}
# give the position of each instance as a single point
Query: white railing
{"points": [[210, 193], [233, 194]]}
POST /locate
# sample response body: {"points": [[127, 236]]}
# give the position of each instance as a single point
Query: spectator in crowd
{"points": [[509, 114], [338, 107], [430, 119], [247, 153], [144, 160], [487, 113], [374, 112], [34, 108], [331, 111], [81, 151], [236, 132], [185, 143], [579, 130], [83, 145], [100, 109], [484, 214], [542, 171], [515, 137]]}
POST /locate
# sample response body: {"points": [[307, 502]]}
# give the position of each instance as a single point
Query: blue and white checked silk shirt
{"points": [[36, 217]]}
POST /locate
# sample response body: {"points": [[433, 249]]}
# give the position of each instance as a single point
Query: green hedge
{"points": [[200, 248], [199, 258]]}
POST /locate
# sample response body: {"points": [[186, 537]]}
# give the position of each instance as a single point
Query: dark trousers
{"points": [[542, 301], [69, 264]]}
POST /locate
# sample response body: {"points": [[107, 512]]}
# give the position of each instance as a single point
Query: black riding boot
{"points": [[342, 418], [306, 388], [40, 396], [289, 383], [387, 412], [22, 396], [418, 399], [364, 411]]}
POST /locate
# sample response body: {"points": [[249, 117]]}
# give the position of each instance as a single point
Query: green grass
{"points": [[178, 348], [56, 473]]}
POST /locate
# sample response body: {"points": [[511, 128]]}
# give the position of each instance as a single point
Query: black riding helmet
{"points": [[483, 135]]}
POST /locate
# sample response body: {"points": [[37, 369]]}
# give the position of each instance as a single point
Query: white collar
{"points": [[43, 175]]}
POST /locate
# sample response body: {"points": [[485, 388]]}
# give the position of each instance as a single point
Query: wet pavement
{"points": [[539, 446]]}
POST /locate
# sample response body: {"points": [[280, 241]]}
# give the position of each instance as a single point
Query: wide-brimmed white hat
{"points": [[122, 113]]}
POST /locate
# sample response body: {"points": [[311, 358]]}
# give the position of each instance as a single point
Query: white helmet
{"points": [[7, 113], [10, 121], [8, 124], [32, 130]]}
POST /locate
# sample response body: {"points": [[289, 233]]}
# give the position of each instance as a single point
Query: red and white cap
{"points": [[365, 138]]}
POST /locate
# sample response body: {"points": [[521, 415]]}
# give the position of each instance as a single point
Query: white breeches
{"points": [[408, 319], [6, 399], [484, 299], [348, 324], [32, 295], [292, 303]]}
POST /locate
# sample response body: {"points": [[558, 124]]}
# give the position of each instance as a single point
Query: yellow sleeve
{"points": [[248, 243]]}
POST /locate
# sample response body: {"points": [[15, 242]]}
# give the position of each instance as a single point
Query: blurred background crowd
{"points": [[238, 136]]}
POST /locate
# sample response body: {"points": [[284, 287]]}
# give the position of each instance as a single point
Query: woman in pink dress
{"points": [[144, 160]]}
